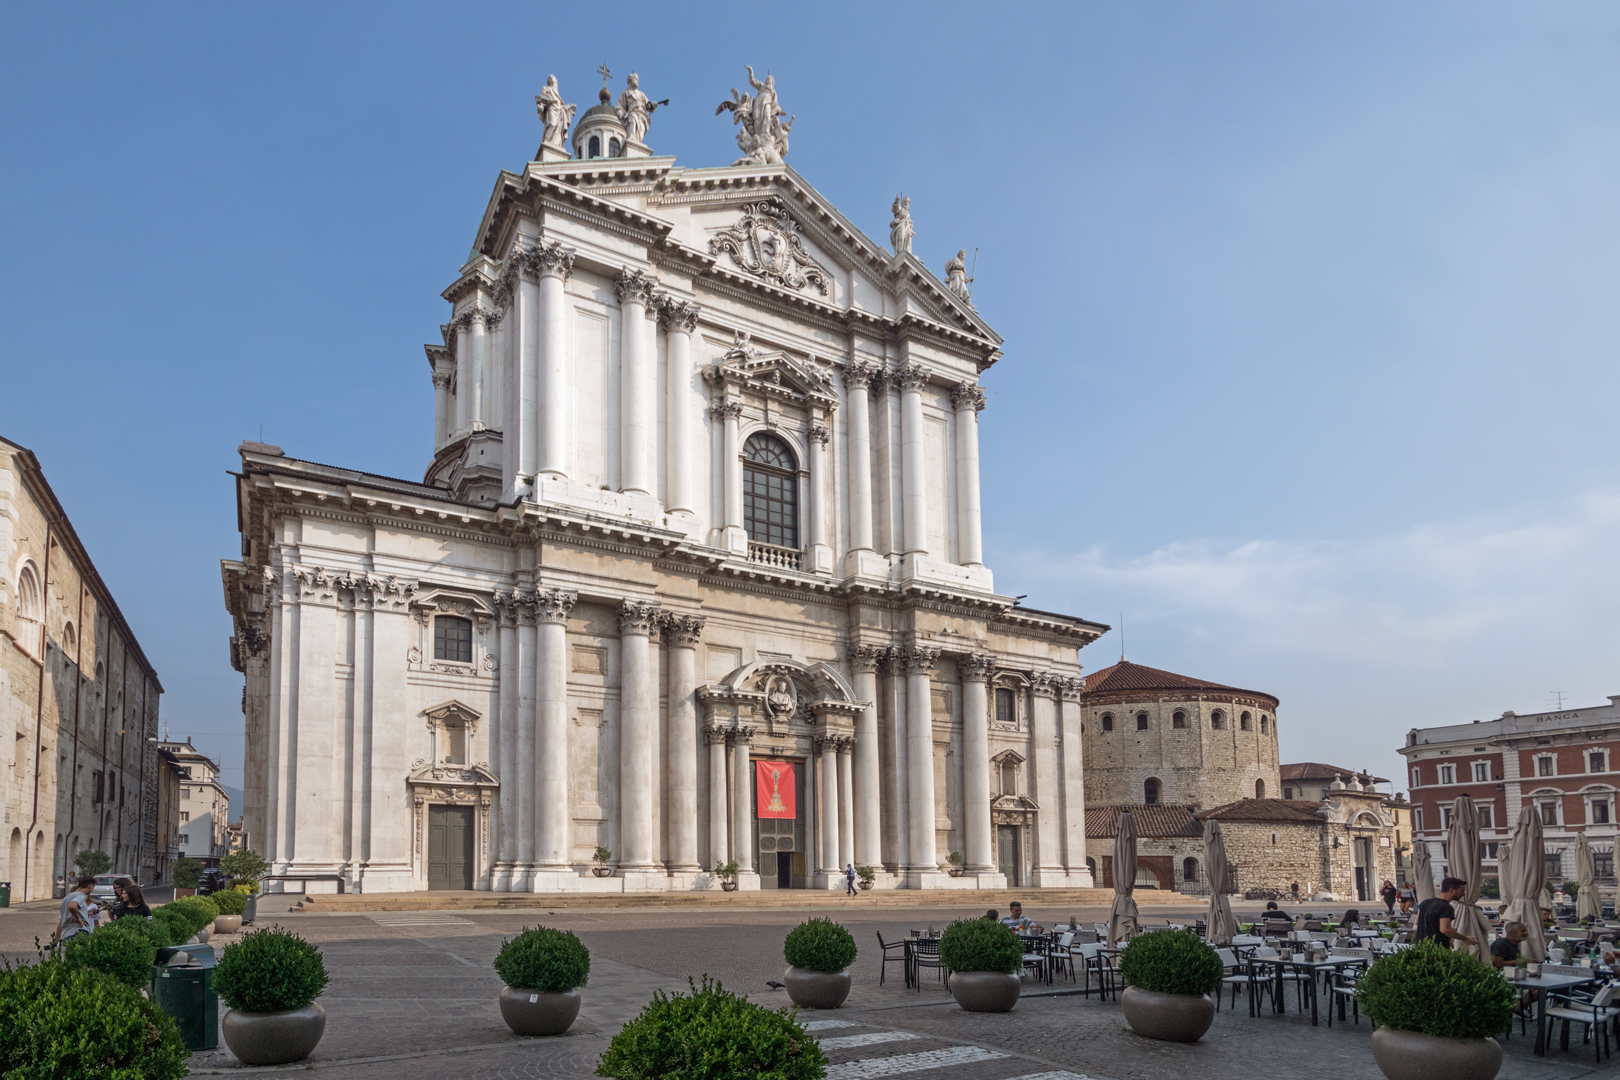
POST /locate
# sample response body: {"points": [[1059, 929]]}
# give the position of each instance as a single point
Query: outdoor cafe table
{"points": [[1547, 983], [1308, 970]]}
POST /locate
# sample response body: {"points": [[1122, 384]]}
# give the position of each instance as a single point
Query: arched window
{"points": [[1265, 724], [1259, 789], [770, 492], [1150, 791], [1217, 719], [1189, 870], [1091, 865], [615, 149], [1141, 721], [1006, 705], [1245, 722], [70, 644], [1108, 721], [30, 607], [596, 146], [452, 639], [1178, 719]]}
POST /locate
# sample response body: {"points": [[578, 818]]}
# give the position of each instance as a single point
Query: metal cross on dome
{"points": [[602, 70]]}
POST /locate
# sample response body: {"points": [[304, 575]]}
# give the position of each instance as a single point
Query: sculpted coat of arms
{"points": [[765, 242]]}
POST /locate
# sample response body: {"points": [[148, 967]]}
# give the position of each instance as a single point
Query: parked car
{"points": [[213, 880]]}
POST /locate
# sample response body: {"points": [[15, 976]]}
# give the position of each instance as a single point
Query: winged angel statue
{"points": [[764, 135]]}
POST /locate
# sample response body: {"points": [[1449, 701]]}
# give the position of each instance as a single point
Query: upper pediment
{"points": [[775, 375]]}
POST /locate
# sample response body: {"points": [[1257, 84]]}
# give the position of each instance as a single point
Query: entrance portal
{"points": [[1007, 860], [450, 847], [781, 842]]}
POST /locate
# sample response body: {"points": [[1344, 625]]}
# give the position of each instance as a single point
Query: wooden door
{"points": [[1007, 853], [450, 847]]}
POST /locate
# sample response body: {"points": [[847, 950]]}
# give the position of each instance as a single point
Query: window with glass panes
{"points": [[1603, 864], [770, 492], [1555, 866], [452, 639], [1005, 705]]}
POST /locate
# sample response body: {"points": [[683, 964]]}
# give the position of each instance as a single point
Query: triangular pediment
{"points": [[776, 375]]}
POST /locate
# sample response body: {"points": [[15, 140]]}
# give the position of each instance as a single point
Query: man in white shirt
{"points": [[1016, 919], [76, 916]]}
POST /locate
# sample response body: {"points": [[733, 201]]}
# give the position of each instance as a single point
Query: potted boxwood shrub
{"points": [[600, 856], [712, 1032], [1169, 975], [270, 979], [1436, 1010], [983, 958], [727, 873], [187, 872], [231, 905], [59, 1019], [818, 952], [543, 970], [203, 911], [867, 875], [120, 951]]}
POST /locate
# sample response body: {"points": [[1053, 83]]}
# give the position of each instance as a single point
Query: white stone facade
{"points": [[704, 492]]}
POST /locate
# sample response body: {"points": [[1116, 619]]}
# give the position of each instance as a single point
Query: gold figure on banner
{"points": [[777, 806]]}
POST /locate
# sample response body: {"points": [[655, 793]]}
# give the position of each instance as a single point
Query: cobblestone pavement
{"points": [[413, 994]]}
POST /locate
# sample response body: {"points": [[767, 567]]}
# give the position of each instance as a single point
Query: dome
{"points": [[600, 125]]}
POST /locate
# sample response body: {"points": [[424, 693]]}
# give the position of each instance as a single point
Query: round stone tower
{"points": [[1154, 736]]}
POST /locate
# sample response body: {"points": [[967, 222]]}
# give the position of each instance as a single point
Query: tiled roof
{"points": [[1156, 821], [1128, 676], [1281, 811], [1315, 770]]}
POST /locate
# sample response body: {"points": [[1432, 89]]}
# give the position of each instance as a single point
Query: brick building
{"points": [[1565, 762], [78, 700]]}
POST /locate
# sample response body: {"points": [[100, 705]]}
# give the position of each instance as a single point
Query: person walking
{"points": [[1434, 916], [849, 879], [1388, 895], [1408, 896], [77, 917]]}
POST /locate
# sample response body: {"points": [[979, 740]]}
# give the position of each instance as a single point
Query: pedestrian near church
{"points": [[1388, 895], [1434, 916], [849, 878]]}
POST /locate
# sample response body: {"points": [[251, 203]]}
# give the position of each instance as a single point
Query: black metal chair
{"points": [[894, 952], [925, 954]]}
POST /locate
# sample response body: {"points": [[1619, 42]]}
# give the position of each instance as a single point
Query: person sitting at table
{"points": [[1352, 921], [1434, 916], [993, 915], [1020, 923], [1505, 953], [1273, 912]]}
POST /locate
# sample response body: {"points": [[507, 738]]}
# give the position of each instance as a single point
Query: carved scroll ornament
{"points": [[765, 242]]}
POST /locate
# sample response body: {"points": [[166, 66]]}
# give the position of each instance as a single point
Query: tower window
{"points": [[615, 149], [1141, 721], [595, 147], [1178, 719], [1259, 789], [1217, 719], [1265, 724], [1005, 705], [1189, 870], [1150, 791], [770, 492], [1245, 722], [452, 639], [1108, 721]]}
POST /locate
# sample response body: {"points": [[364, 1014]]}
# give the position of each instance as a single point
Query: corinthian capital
{"points": [[912, 376], [677, 316], [1073, 689], [1044, 683], [967, 395], [635, 287], [976, 667], [441, 380], [545, 257], [727, 410], [682, 631], [554, 606], [638, 617], [740, 736], [716, 734], [860, 373], [919, 660], [867, 658]]}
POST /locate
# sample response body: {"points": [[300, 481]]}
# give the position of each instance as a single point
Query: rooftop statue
{"points": [[555, 114], [956, 279], [764, 135], [900, 229], [635, 109]]}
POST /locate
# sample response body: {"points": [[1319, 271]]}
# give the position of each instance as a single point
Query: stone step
{"points": [[1044, 899]]}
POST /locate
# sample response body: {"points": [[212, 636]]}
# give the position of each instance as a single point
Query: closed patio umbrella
{"points": [[1504, 882], [1524, 875], [1586, 897], [1122, 921], [1463, 862], [1220, 925], [1422, 872]]}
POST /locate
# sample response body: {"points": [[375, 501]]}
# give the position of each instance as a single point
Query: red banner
{"points": [[773, 789]]}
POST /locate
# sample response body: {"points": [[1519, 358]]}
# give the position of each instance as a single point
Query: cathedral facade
{"points": [[694, 576]]}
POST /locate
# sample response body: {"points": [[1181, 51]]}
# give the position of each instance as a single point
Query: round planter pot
{"points": [[985, 991], [203, 935], [227, 924], [1411, 1055], [530, 1012], [866, 884], [602, 871], [274, 1038], [817, 989], [1171, 1017], [955, 871], [729, 886]]}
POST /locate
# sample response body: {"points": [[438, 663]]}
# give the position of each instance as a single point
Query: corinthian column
{"points": [[919, 665], [827, 803], [820, 553], [968, 399], [484, 369], [846, 803], [742, 801], [1048, 859], [868, 827], [555, 264], [679, 319], [735, 537], [477, 325], [858, 424], [638, 382], [521, 439], [975, 670], [550, 761], [716, 736], [505, 739], [683, 632], [1074, 784], [524, 778], [461, 326], [638, 710], [441, 410], [913, 452]]}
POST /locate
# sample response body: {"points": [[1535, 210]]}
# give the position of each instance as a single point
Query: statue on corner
{"points": [[555, 114], [764, 135], [635, 109], [956, 279], [900, 229]]}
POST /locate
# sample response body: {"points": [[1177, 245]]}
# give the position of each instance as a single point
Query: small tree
{"points": [[246, 865], [187, 872], [93, 862], [601, 855]]}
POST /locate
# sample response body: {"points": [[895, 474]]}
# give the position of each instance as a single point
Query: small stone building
{"points": [[1169, 847]]}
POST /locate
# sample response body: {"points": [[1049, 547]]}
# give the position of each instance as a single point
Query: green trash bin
{"points": [[5, 894], [186, 992]]}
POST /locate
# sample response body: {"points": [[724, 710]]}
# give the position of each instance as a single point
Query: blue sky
{"points": [[1309, 308]]}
